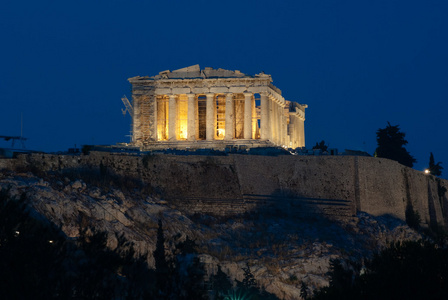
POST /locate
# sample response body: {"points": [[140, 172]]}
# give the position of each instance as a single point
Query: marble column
{"points": [[264, 115], [172, 116], [297, 132], [230, 117], [291, 132], [278, 124], [247, 116], [274, 120], [255, 129], [271, 120], [154, 118], [301, 133], [191, 119], [282, 125], [210, 117]]}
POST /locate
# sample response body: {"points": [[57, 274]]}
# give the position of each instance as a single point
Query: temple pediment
{"points": [[194, 68], [196, 72]]}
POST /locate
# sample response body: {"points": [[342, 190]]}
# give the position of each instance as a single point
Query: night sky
{"points": [[64, 65]]}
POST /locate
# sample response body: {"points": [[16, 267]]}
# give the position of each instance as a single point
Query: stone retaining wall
{"points": [[334, 185]]}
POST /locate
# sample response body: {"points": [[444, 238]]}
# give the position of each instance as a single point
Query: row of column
{"points": [[278, 122], [210, 116], [273, 121]]}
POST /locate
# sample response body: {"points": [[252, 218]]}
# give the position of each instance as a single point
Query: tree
{"points": [[249, 279], [189, 272], [220, 283], [391, 144], [36, 254], [303, 291], [434, 168], [412, 217], [162, 267], [404, 270], [321, 146]]}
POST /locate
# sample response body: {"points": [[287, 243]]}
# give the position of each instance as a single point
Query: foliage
{"points": [[188, 279], [321, 146], [441, 190], [161, 264], [86, 149], [220, 284], [412, 217], [28, 249], [434, 168], [249, 279], [341, 282], [182, 277], [248, 287], [408, 270], [303, 290], [391, 142], [36, 255]]}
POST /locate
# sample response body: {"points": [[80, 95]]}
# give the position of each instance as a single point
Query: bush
{"points": [[408, 270], [412, 217]]}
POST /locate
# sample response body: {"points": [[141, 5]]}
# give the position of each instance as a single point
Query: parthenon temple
{"points": [[212, 108]]}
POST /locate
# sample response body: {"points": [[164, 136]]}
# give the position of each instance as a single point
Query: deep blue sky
{"points": [[357, 64]]}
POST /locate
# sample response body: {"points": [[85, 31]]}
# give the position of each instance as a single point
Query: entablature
{"points": [[184, 81]]}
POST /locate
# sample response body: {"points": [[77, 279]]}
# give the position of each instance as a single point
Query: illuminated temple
{"points": [[212, 108]]}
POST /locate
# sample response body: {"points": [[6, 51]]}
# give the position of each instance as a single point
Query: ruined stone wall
{"points": [[334, 185], [303, 182], [387, 187]]}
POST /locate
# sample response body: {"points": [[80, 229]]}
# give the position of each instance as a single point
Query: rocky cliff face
{"points": [[286, 216]]}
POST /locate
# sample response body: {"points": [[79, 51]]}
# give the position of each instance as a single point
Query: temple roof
{"points": [[196, 72]]}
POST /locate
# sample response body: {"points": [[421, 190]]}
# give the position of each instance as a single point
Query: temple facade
{"points": [[212, 108]]}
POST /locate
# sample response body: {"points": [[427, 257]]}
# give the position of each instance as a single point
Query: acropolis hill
{"points": [[286, 215]]}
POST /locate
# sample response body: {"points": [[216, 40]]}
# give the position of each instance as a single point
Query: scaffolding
{"points": [[14, 138], [130, 110]]}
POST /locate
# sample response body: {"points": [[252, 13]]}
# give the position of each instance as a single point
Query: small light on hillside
{"points": [[427, 171]]}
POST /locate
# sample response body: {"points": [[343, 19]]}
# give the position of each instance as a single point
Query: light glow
{"points": [[221, 132], [182, 117]]}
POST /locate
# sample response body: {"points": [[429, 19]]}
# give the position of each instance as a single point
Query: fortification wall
{"points": [[387, 187], [334, 185]]}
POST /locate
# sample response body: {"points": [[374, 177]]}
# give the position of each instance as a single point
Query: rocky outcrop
{"points": [[265, 211]]}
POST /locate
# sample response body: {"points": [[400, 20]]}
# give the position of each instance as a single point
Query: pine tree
{"points": [[188, 273], [162, 268], [434, 168], [303, 291], [391, 144], [220, 283]]}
